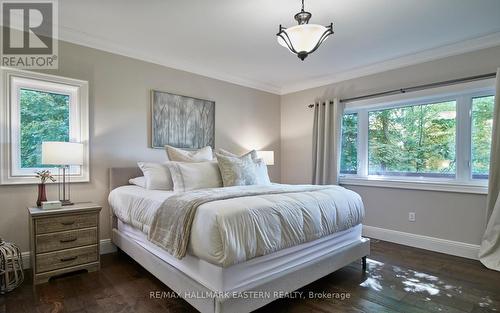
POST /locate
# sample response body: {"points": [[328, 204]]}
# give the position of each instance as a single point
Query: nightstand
{"points": [[64, 240]]}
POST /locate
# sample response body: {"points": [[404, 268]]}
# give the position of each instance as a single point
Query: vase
{"points": [[42, 195]]}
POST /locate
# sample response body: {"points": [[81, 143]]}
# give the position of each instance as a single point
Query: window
{"points": [[37, 108], [439, 139], [44, 117], [482, 125], [413, 141], [349, 160]]}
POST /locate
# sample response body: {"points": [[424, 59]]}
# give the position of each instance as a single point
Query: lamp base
{"points": [[66, 202]]}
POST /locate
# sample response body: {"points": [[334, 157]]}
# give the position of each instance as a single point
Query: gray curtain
{"points": [[489, 253], [326, 142]]}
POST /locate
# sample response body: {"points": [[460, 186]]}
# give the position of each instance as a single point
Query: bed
{"points": [[204, 276]]}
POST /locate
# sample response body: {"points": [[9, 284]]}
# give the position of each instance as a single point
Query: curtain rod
{"points": [[418, 87]]}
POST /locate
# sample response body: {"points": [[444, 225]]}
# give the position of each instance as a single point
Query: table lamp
{"points": [[267, 156], [62, 154]]}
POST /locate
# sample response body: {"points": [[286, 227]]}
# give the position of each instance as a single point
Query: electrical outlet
{"points": [[411, 216]]}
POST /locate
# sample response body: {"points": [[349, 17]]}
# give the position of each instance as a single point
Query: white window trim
{"points": [[424, 184], [463, 94], [79, 121]]}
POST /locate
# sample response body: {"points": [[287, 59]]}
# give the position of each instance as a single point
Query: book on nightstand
{"points": [[51, 205]]}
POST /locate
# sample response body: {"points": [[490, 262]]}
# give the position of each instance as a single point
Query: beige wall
{"points": [[245, 119], [119, 125], [452, 216]]}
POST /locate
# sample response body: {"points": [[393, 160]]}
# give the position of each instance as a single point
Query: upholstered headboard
{"points": [[119, 176]]}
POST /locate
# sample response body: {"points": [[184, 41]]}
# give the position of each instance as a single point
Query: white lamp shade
{"points": [[62, 153], [303, 37], [267, 156]]}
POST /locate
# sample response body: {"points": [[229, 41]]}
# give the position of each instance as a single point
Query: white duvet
{"points": [[137, 206]]}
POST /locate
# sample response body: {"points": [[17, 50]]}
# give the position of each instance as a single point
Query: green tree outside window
{"points": [[349, 155], [482, 127], [413, 141], [44, 117]]}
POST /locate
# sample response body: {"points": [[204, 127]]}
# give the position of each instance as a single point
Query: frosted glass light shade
{"points": [[62, 153], [303, 37], [267, 156]]}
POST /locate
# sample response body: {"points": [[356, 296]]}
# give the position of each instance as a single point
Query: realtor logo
{"points": [[29, 34]]}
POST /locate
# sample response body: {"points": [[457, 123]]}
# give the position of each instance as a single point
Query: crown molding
{"points": [[83, 39], [474, 44]]}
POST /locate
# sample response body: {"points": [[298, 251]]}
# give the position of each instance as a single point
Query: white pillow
{"points": [[138, 181], [178, 155], [261, 172], [260, 166], [157, 175], [191, 176]]}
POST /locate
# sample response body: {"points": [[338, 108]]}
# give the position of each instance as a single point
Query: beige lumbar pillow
{"points": [[179, 155], [237, 171]]}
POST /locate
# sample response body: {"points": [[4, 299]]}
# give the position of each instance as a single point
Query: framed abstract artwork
{"points": [[181, 122]]}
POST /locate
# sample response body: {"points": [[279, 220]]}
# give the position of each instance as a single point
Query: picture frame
{"points": [[181, 121]]}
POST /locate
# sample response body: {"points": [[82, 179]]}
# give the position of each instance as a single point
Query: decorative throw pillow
{"points": [[237, 171], [179, 155], [260, 166], [252, 153], [157, 175], [191, 176], [138, 181]]}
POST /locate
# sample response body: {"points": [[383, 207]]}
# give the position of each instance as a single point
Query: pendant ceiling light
{"points": [[304, 38]]}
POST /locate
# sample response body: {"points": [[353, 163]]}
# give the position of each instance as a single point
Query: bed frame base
{"points": [[286, 281]]}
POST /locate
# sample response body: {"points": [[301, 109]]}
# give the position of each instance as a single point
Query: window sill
{"points": [[12, 181], [444, 186]]}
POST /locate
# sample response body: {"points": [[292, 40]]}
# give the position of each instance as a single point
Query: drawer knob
{"points": [[67, 240], [68, 223], [68, 259]]}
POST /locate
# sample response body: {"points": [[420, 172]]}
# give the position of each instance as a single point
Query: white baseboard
{"points": [[457, 248], [106, 247]]}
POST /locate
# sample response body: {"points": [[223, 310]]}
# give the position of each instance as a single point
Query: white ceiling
{"points": [[235, 40]]}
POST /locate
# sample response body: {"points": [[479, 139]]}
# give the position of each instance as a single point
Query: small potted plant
{"points": [[43, 176]]}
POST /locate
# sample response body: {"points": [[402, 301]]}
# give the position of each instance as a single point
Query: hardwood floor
{"points": [[398, 279]]}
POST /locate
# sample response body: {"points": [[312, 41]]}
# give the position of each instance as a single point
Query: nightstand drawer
{"points": [[60, 259], [66, 240], [65, 222]]}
